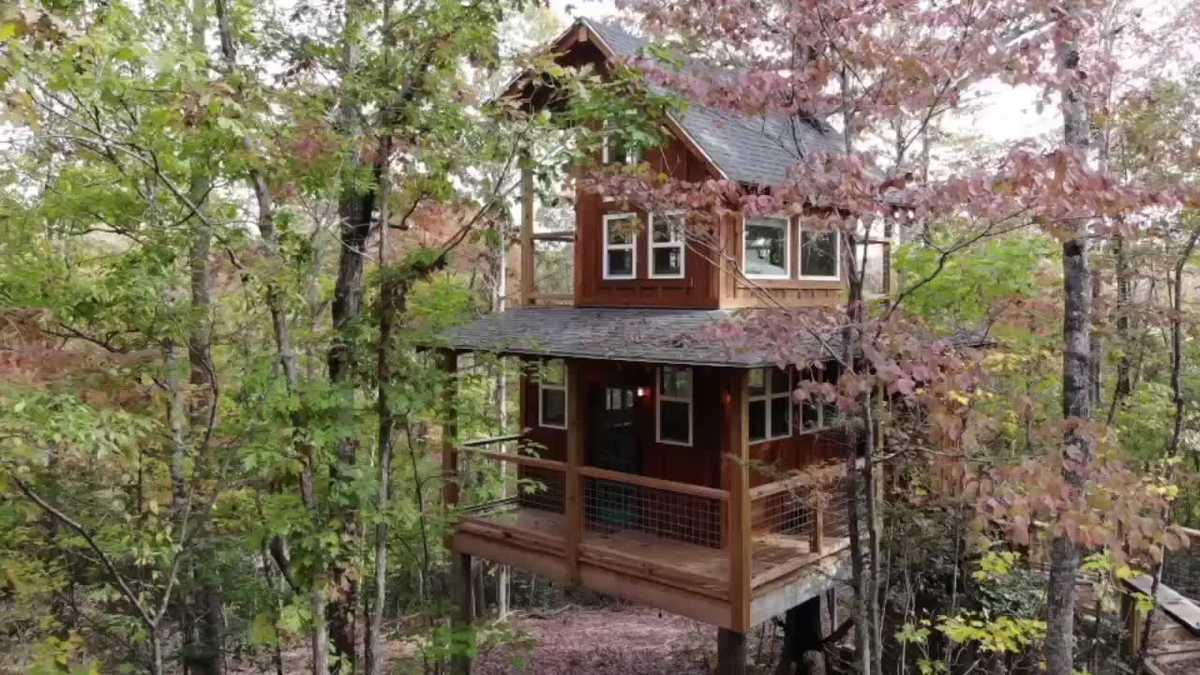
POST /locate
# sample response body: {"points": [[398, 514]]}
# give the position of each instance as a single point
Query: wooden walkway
{"points": [[1174, 631]]}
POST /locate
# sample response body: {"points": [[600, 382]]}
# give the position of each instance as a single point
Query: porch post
{"points": [[732, 643], [449, 431], [573, 506]]}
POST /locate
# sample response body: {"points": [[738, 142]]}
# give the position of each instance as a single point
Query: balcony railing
{"points": [[677, 534]]}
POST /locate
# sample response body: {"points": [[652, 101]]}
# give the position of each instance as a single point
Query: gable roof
{"points": [[758, 150]]}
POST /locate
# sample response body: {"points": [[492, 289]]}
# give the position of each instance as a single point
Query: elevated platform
{"points": [[677, 576]]}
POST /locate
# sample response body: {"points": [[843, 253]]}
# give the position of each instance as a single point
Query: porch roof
{"points": [[676, 336]]}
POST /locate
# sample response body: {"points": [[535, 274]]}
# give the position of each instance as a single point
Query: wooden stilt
{"points": [[802, 634], [731, 652], [463, 591]]}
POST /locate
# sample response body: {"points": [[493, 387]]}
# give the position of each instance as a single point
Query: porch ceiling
{"points": [[679, 336]]}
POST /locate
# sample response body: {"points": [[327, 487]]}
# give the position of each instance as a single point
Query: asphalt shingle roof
{"points": [[646, 335], [756, 150]]}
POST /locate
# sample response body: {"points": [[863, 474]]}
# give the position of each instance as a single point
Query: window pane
{"points": [[808, 416], [673, 421], [554, 407], [667, 228], [818, 254], [758, 420], [553, 372], [667, 261], [620, 263], [766, 247], [757, 382], [780, 421], [831, 414], [617, 150], [677, 382], [620, 230], [779, 381]]}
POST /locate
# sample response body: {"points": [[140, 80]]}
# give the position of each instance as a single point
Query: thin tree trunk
{"points": [[1124, 380], [1076, 391]]}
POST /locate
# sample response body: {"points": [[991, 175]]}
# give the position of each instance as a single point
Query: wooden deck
{"points": [[678, 576]]}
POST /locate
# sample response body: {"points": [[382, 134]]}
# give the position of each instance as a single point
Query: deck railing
{"points": [[615, 501], [798, 509], [503, 473]]}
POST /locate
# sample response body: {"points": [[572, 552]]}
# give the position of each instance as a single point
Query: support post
{"points": [[737, 469], [574, 482], [463, 591], [802, 634], [528, 281], [731, 652], [449, 432]]}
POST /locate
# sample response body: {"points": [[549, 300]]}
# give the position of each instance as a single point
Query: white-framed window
{"points": [[620, 246], [817, 415], [668, 248], [674, 403], [552, 394], [770, 404], [820, 255], [767, 248], [613, 151]]}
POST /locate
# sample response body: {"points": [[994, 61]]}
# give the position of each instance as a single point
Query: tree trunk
{"points": [[1124, 379], [1076, 391]]}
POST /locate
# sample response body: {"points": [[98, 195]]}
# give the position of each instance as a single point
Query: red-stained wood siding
{"points": [[700, 463]]}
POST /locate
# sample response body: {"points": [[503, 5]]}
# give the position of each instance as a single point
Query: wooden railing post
{"points": [[449, 431], [737, 468], [573, 507]]}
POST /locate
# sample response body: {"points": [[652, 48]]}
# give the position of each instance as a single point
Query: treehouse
{"points": [[656, 464]]}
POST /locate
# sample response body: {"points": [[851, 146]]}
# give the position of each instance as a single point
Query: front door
{"points": [[614, 446]]}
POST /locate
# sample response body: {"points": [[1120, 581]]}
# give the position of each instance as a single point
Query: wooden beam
{"points": [[735, 406], [463, 592], [574, 488], [559, 235], [528, 282], [690, 489], [817, 543]]}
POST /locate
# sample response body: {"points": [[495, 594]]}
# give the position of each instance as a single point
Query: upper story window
{"points": [[766, 248], [770, 404], [552, 394], [613, 151], [667, 246], [820, 255], [675, 405], [620, 246]]}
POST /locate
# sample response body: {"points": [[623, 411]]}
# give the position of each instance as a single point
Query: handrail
{"points": [[783, 485], [655, 483], [525, 460], [479, 442]]}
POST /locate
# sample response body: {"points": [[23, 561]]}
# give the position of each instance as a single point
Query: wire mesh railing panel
{"points": [[793, 512], [611, 506], [489, 482]]}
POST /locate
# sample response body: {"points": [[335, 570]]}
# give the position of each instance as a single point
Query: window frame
{"points": [[651, 246], [632, 247], [632, 156], [659, 397], [767, 397], [837, 257], [787, 248], [822, 423], [543, 387]]}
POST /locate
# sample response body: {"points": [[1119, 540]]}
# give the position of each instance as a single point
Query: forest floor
{"points": [[605, 641]]}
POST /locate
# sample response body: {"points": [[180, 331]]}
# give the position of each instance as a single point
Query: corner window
{"points": [[667, 245], [675, 405], [770, 404], [552, 394], [766, 248], [816, 415], [620, 246], [820, 255]]}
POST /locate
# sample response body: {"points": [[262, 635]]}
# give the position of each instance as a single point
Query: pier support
{"points": [[731, 652], [463, 592], [802, 635]]}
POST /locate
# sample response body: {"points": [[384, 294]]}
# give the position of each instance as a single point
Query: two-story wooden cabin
{"points": [[657, 464]]}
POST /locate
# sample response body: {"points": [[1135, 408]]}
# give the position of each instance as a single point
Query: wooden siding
{"points": [[737, 292], [698, 464]]}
